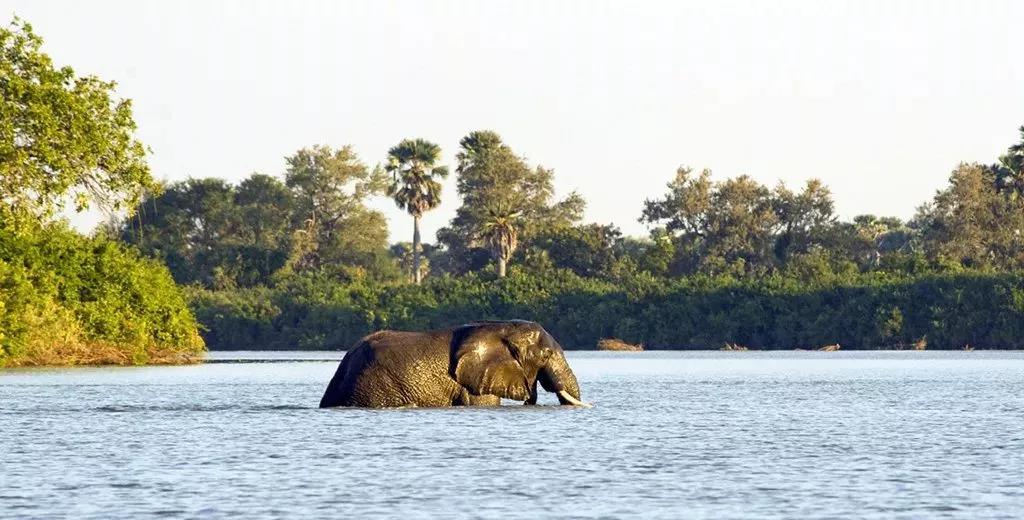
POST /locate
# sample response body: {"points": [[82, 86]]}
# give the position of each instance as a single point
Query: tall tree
{"points": [[208, 231], [805, 219], [504, 201], [1009, 172], [499, 230], [331, 187], [588, 250], [415, 185], [972, 223], [61, 136], [220, 235], [264, 208], [869, 240], [726, 227]]}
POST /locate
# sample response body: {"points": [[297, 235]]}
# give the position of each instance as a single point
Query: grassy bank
{"points": [[66, 299], [874, 311]]}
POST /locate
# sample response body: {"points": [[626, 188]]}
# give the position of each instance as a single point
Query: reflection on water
{"points": [[699, 435]]}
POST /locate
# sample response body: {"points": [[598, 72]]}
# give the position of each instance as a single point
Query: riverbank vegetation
{"points": [[66, 298], [69, 299], [280, 265]]}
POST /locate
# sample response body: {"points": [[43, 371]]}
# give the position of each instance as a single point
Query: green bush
{"points": [[70, 299]]}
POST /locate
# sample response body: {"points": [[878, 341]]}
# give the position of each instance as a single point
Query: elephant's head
{"points": [[509, 358]]}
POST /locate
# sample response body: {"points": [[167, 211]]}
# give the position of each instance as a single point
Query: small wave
{"points": [[194, 408], [125, 485], [281, 407], [278, 360]]}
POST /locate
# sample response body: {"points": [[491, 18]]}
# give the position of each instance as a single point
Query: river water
{"points": [[671, 434]]}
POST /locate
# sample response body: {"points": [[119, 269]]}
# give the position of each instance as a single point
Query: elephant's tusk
{"points": [[572, 400]]}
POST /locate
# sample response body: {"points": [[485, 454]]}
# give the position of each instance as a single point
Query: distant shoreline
{"points": [[336, 355]]}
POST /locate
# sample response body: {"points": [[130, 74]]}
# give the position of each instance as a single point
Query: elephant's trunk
{"points": [[557, 377]]}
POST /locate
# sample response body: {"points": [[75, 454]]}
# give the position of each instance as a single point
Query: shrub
{"points": [[69, 299]]}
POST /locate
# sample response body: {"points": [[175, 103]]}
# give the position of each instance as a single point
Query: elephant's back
{"points": [[399, 345], [390, 368]]}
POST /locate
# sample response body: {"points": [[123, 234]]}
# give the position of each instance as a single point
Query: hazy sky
{"points": [[879, 99]]}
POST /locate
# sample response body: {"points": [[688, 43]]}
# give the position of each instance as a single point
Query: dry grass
{"points": [[60, 353], [618, 344], [830, 348], [731, 347]]}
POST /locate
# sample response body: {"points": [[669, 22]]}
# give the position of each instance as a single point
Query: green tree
{"points": [[401, 252], [187, 225], [263, 209], [415, 185], [805, 219], [726, 227], [972, 223], [504, 201], [589, 250], [62, 136], [331, 187], [499, 230], [869, 240], [1009, 172]]}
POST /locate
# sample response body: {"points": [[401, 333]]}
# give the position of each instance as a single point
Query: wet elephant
{"points": [[478, 363]]}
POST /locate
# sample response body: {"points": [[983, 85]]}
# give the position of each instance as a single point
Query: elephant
{"points": [[475, 364]]}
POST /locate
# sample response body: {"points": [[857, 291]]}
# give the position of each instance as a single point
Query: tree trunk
{"points": [[416, 249], [501, 267]]}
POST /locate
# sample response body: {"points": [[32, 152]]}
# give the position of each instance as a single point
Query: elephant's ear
{"points": [[482, 362]]}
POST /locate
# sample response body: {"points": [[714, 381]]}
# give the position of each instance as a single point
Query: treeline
{"points": [[866, 311], [66, 298], [315, 222], [303, 263]]}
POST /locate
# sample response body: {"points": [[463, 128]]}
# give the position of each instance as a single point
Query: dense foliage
{"points": [[505, 203], [223, 236], [61, 136], [65, 298], [878, 310], [729, 261], [69, 299]]}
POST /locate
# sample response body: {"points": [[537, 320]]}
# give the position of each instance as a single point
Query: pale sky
{"points": [[880, 100]]}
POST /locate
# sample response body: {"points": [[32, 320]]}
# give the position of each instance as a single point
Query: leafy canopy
{"points": [[504, 202], [62, 136]]}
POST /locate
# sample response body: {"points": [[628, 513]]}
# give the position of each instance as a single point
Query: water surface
{"points": [[691, 434]]}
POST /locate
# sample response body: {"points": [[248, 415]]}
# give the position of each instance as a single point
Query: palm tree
{"points": [[415, 185], [502, 237], [1010, 170]]}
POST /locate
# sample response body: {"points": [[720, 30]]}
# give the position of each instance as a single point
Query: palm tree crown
{"points": [[415, 187], [500, 233]]}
